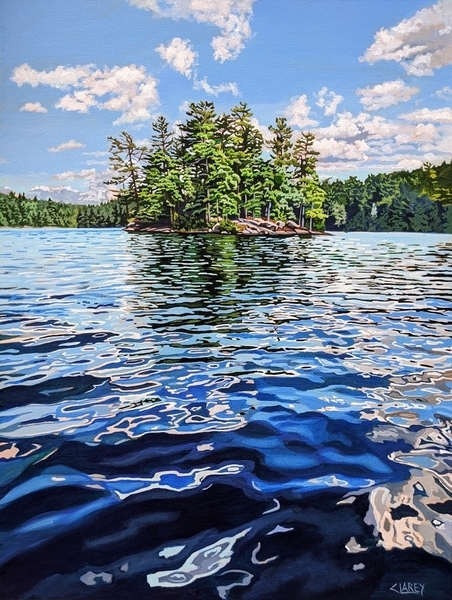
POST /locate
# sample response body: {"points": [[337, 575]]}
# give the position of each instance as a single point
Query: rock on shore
{"points": [[246, 227]]}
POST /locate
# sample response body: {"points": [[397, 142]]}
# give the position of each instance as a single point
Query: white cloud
{"points": [[339, 167], [232, 17], [59, 194], [373, 143], [409, 164], [421, 44], [344, 126], [341, 149], [424, 115], [445, 93], [373, 129], [96, 153], [61, 78], [329, 101], [264, 131], [179, 55], [128, 90], [441, 148], [35, 107], [386, 94], [72, 175], [298, 111], [377, 127], [71, 145], [3, 161], [398, 163], [95, 191], [417, 134], [97, 162], [80, 101], [214, 90]]}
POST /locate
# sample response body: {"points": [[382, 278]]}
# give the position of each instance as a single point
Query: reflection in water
{"points": [[202, 563], [231, 417]]}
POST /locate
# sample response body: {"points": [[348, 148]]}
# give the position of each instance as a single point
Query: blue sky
{"points": [[371, 78]]}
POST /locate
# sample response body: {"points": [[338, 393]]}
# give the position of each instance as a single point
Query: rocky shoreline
{"points": [[245, 227]]}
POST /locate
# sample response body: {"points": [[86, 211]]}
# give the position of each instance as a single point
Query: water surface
{"points": [[213, 416]]}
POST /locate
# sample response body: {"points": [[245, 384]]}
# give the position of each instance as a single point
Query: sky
{"points": [[372, 79]]}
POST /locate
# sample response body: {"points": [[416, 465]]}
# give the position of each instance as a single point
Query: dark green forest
{"points": [[218, 167], [18, 211]]}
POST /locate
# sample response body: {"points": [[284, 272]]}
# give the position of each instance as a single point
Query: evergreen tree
{"points": [[246, 143], [280, 143], [198, 142], [125, 161], [311, 194]]}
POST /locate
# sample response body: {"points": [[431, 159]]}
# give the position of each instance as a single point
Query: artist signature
{"points": [[408, 588]]}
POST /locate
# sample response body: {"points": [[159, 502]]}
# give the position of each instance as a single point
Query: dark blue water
{"points": [[221, 417]]}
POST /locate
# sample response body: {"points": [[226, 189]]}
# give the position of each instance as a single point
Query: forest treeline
{"points": [[418, 200], [218, 166], [18, 211]]}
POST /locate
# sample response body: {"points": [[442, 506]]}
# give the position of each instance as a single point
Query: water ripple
{"points": [[273, 388]]}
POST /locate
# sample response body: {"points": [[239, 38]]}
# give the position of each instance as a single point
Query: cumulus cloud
{"points": [[329, 101], [71, 145], [445, 93], [72, 175], [3, 161], [409, 164], [420, 44], [342, 149], [97, 162], [35, 107], [298, 111], [94, 190], [59, 194], [61, 78], [128, 90], [386, 94], [371, 128], [214, 90], [327, 168], [231, 17], [417, 134], [373, 142], [96, 153], [179, 55], [345, 125], [424, 115], [80, 101]]}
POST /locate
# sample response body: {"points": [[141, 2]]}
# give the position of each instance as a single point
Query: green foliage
{"points": [[281, 143], [403, 201], [188, 223], [19, 211], [227, 226], [214, 169], [125, 161]]}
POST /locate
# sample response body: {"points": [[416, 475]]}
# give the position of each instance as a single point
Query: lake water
{"points": [[220, 417]]}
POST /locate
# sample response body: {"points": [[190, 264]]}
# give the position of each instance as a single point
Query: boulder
{"points": [[292, 225]]}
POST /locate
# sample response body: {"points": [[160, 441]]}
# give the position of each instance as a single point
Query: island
{"points": [[244, 227]]}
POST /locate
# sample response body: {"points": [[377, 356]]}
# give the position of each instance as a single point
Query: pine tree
{"points": [[125, 161], [312, 195]]}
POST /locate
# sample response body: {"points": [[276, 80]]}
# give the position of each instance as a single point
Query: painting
{"points": [[225, 312]]}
